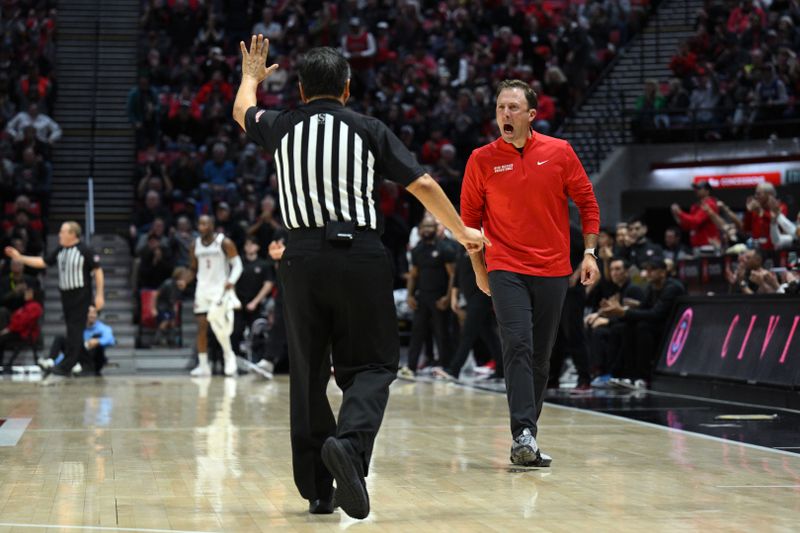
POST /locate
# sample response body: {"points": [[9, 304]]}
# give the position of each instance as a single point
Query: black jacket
{"points": [[657, 304]]}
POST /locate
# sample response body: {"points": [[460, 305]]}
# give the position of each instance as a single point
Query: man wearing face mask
{"points": [[429, 282], [516, 189]]}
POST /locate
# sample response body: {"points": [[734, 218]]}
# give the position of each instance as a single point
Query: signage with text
{"points": [[740, 181], [752, 339]]}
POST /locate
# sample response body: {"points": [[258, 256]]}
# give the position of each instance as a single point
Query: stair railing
{"points": [[89, 205]]}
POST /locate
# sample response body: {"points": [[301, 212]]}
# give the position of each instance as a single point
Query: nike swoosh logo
{"points": [[540, 163]]}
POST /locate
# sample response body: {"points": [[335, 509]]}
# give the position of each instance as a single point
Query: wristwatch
{"points": [[591, 251]]}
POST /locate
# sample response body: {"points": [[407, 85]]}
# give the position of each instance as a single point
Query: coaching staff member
{"points": [[76, 263], [516, 189], [335, 272]]}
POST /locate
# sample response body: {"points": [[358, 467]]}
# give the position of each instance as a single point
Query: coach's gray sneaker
{"points": [[544, 460], [525, 451]]}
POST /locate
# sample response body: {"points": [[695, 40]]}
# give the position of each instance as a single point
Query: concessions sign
{"points": [[740, 181], [747, 339]]}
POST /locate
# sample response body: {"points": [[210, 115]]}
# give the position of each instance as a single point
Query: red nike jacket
{"points": [[520, 201]]}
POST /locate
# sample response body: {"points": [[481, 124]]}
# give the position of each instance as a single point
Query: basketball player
{"points": [[216, 263]]}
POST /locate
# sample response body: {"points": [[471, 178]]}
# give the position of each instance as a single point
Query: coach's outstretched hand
{"points": [[254, 61], [11, 252]]}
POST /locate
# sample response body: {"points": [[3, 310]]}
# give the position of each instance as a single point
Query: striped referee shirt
{"points": [[75, 265], [330, 162]]}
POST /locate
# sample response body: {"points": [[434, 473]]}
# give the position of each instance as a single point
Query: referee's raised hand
{"points": [[254, 61]]}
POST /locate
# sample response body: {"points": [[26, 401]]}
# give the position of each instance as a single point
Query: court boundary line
{"points": [[677, 430], [717, 400], [651, 424], [100, 528], [757, 486], [672, 395]]}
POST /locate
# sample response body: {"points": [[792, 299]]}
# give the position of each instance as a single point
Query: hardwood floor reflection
{"points": [[150, 453]]}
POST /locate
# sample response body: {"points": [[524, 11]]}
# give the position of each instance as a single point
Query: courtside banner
{"points": [[753, 339]]}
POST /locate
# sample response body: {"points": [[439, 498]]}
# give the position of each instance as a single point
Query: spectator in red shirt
{"points": [[432, 149], [546, 112], [757, 219], [739, 20], [217, 84], [516, 189], [702, 230], [684, 63], [23, 326]]}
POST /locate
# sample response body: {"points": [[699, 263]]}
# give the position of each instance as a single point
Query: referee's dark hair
{"points": [[530, 94], [323, 71]]}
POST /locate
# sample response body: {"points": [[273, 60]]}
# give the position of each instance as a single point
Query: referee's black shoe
{"points": [[322, 505], [351, 489]]}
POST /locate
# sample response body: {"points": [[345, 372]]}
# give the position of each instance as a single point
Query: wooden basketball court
{"points": [[157, 454]]}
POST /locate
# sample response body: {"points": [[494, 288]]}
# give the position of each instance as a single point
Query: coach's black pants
{"points": [[479, 324], [337, 298], [75, 304], [426, 317], [528, 311]]}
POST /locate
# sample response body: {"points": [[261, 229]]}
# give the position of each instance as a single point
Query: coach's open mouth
{"points": [[508, 128]]}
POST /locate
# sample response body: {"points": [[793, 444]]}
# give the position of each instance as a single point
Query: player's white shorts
{"points": [[205, 297]]}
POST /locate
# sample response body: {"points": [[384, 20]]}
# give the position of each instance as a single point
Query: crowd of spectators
{"points": [[428, 69], [627, 313], [738, 76], [27, 136]]}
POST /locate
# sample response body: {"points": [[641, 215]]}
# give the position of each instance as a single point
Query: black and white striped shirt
{"points": [[75, 265], [330, 161]]}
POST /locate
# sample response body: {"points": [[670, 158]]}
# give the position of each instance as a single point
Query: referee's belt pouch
{"points": [[340, 233]]}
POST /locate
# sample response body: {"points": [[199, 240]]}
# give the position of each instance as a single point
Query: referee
{"points": [[76, 263], [335, 272]]}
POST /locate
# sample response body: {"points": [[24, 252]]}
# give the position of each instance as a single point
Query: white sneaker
{"points": [[269, 366], [405, 373], [46, 363], [484, 370], [201, 371], [231, 367], [77, 369]]}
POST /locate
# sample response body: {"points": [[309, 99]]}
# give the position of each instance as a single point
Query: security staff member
{"points": [[252, 288], [76, 264], [429, 280], [335, 272]]}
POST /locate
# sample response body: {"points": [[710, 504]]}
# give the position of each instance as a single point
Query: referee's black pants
{"points": [[339, 299], [479, 324], [75, 304], [528, 312]]}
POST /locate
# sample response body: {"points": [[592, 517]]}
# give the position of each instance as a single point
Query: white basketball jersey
{"points": [[212, 263]]}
